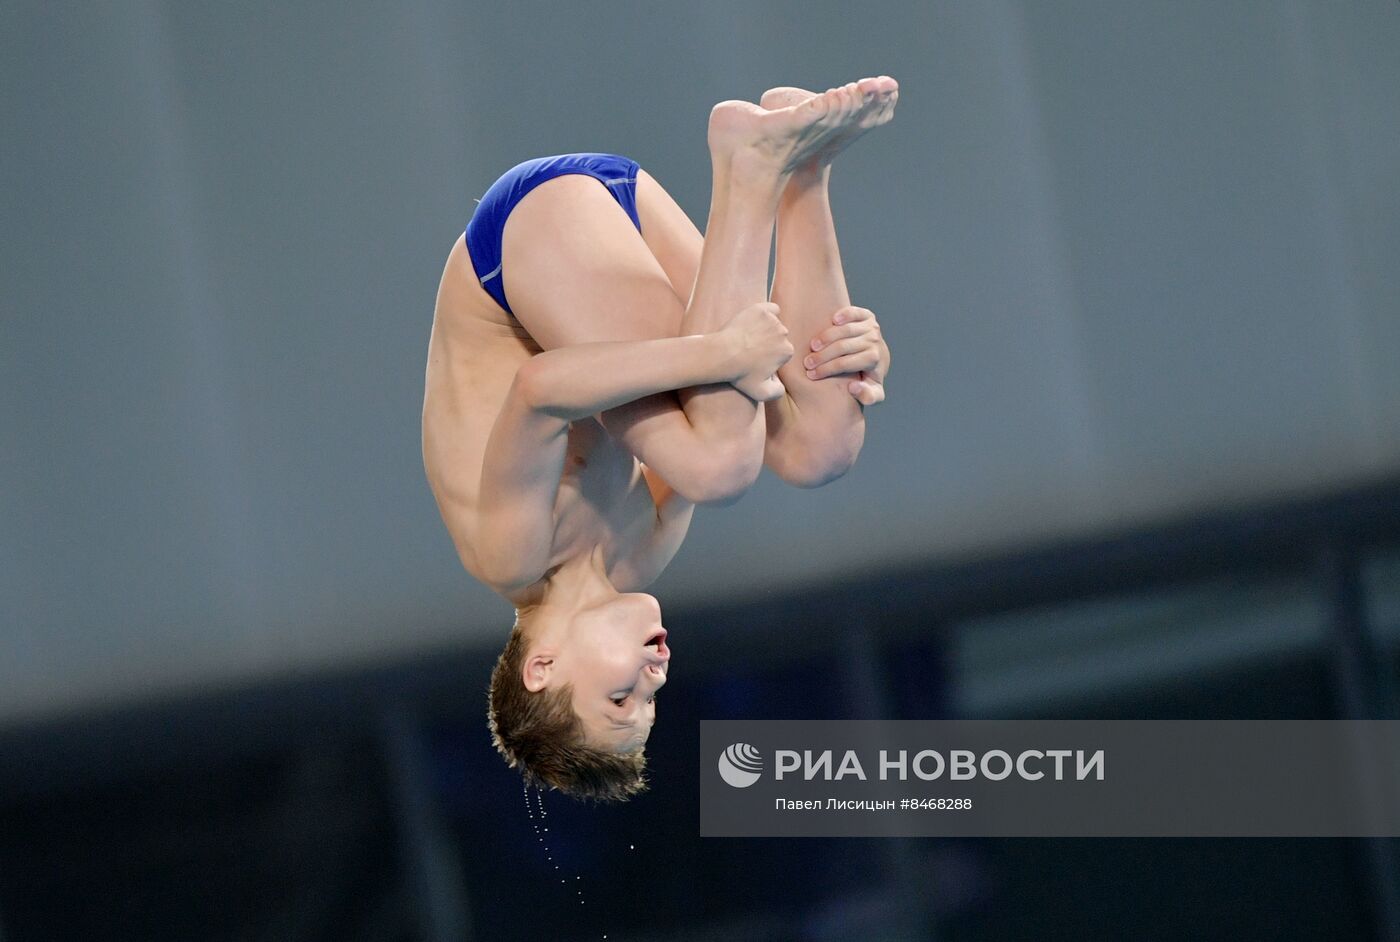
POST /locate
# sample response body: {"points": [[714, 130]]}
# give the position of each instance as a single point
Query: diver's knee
{"points": [[722, 476], [814, 463]]}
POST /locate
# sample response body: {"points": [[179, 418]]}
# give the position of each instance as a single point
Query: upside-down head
{"points": [[572, 696]]}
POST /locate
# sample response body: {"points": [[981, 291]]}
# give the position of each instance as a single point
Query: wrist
{"points": [[722, 355]]}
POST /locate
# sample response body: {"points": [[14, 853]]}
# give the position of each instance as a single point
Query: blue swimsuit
{"points": [[488, 222]]}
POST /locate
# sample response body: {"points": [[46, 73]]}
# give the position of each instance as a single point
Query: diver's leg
{"points": [[576, 271], [816, 431]]}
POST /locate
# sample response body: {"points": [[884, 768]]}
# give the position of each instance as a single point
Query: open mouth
{"points": [[658, 641]]}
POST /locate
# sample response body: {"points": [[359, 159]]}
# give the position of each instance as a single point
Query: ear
{"points": [[535, 674]]}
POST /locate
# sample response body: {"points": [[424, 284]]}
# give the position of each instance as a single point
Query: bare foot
{"points": [[788, 137], [879, 96]]}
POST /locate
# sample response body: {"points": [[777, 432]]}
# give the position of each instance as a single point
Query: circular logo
{"points": [[740, 765]]}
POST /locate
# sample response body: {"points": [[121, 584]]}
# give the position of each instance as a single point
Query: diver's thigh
{"points": [[576, 270], [670, 234]]}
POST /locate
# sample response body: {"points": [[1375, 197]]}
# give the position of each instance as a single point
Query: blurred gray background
{"points": [[1133, 260], [1140, 459]]}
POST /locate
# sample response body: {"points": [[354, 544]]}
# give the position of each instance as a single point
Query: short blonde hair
{"points": [[540, 734]]}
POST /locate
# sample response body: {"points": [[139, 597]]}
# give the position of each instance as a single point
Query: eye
{"points": [[619, 701]]}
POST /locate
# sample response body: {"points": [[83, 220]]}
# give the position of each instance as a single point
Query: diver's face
{"points": [[616, 658]]}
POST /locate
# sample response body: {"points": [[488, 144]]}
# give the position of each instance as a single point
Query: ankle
{"points": [[750, 167], [808, 185]]}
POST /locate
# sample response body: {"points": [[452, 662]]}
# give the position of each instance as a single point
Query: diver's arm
{"points": [[524, 454]]}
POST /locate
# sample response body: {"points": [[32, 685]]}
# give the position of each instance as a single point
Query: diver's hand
{"points": [[852, 346], [759, 345]]}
